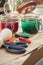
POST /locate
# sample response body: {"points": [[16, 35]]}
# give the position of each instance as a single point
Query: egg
{"points": [[6, 34]]}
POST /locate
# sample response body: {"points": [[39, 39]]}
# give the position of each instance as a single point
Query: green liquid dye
{"points": [[30, 26]]}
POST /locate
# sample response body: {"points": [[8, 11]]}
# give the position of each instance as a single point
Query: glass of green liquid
{"points": [[31, 25]]}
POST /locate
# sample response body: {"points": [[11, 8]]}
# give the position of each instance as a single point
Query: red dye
{"points": [[12, 26], [2, 25]]}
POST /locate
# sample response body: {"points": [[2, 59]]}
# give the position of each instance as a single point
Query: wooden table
{"points": [[19, 59]]}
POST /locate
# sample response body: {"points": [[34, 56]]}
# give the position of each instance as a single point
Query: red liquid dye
{"points": [[2, 25], [12, 26]]}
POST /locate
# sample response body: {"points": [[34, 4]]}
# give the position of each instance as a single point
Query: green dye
{"points": [[30, 25]]}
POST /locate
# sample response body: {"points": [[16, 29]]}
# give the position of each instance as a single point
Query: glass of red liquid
{"points": [[11, 23]]}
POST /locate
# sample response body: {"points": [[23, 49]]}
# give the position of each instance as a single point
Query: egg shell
{"points": [[6, 34]]}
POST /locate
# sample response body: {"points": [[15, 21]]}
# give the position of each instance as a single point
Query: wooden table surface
{"points": [[18, 59]]}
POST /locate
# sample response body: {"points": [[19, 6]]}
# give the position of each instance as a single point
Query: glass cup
{"points": [[10, 22], [31, 24]]}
